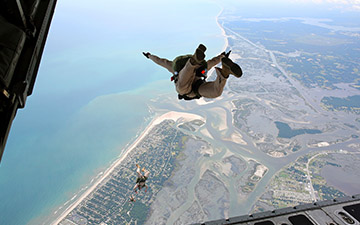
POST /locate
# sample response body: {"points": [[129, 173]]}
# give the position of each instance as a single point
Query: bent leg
{"points": [[147, 173], [186, 78], [136, 186], [138, 172], [215, 88]]}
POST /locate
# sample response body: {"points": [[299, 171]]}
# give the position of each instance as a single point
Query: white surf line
{"points": [[172, 115]]}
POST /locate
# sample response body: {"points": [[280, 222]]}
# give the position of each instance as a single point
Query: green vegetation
{"points": [[284, 175], [289, 186], [248, 187], [187, 126], [109, 203], [327, 192], [296, 148], [319, 183]]}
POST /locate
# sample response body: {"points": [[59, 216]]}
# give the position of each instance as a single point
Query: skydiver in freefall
{"points": [[190, 71], [132, 198], [140, 181]]}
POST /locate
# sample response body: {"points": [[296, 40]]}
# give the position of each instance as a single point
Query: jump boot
{"points": [[199, 55], [229, 67]]}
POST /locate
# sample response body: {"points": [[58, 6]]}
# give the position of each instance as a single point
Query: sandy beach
{"points": [[223, 33], [172, 115]]}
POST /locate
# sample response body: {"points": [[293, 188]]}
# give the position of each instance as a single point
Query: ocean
{"points": [[91, 94]]}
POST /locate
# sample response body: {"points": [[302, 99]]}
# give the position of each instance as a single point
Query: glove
{"points": [[226, 54], [146, 54]]}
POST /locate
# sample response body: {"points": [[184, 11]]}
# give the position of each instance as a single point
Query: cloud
{"points": [[344, 4]]}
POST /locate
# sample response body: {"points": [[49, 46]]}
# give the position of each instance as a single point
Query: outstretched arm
{"points": [[167, 64]]}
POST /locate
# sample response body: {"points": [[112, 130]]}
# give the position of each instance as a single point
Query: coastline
{"points": [[56, 193], [172, 115], [223, 33]]}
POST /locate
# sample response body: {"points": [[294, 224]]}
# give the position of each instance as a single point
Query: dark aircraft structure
{"points": [[340, 211], [24, 25]]}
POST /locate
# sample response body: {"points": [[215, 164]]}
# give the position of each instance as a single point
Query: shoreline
{"points": [[223, 33], [172, 115]]}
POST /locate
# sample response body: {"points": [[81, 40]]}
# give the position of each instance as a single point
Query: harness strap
{"points": [[175, 77]]}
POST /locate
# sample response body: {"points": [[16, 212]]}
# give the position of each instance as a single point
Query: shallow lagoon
{"points": [[285, 131]]}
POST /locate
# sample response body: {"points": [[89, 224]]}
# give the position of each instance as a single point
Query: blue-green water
{"points": [[285, 131], [90, 98], [337, 103]]}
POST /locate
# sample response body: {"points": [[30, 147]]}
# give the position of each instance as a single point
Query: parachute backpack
{"points": [[141, 179], [178, 64]]}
